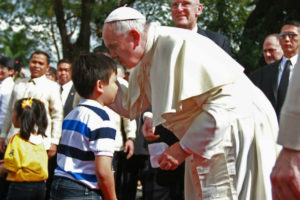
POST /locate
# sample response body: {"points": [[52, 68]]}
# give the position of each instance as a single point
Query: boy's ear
{"points": [[99, 86], [136, 37]]}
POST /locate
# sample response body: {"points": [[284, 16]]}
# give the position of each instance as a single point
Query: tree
{"points": [[267, 17], [16, 45]]}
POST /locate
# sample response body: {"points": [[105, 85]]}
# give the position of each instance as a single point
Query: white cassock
{"points": [[202, 95]]}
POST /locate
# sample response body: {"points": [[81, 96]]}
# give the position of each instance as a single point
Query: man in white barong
{"points": [[226, 126]]}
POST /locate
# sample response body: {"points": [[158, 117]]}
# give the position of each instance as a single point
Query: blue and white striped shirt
{"points": [[87, 132]]}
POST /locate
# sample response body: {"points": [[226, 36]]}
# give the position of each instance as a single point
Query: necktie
{"points": [[283, 85], [61, 89]]}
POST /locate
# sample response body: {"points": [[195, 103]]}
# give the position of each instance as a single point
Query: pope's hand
{"points": [[148, 130], [172, 157]]}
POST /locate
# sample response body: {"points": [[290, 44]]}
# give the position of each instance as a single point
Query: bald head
{"points": [[272, 49]]}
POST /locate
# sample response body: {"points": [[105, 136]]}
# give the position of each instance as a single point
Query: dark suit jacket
{"points": [[69, 102], [265, 78], [219, 39]]}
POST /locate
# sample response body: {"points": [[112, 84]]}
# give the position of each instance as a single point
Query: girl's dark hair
{"points": [[31, 116]]}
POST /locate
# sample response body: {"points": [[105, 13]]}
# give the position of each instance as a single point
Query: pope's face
{"points": [[122, 47], [185, 13]]}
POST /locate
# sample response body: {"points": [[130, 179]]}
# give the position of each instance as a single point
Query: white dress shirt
{"points": [[282, 64], [65, 91], [6, 87]]}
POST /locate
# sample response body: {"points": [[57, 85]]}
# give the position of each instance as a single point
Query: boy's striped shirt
{"points": [[87, 132]]}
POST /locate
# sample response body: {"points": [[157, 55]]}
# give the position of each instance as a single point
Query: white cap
{"points": [[124, 13]]}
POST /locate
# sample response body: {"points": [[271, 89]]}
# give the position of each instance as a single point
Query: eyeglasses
{"points": [[290, 35]]}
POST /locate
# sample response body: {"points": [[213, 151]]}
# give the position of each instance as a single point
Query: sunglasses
{"points": [[290, 35]]}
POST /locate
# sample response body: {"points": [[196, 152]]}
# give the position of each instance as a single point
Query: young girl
{"points": [[25, 157]]}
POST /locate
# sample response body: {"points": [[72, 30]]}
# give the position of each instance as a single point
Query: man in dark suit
{"points": [[64, 77], [270, 79], [185, 14]]}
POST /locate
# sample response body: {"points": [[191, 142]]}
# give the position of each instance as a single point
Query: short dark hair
{"points": [[52, 70], [293, 22], [88, 69], [7, 62], [31, 116], [64, 60], [101, 49], [41, 52]]}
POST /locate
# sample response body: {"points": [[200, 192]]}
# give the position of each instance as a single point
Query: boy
{"points": [[87, 143]]}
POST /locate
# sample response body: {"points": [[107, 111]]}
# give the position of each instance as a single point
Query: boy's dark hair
{"points": [[41, 52], [31, 116], [88, 69]]}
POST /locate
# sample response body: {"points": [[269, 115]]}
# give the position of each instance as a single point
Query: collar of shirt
{"points": [[38, 80], [91, 102], [35, 139], [67, 86], [284, 59], [195, 29], [282, 64]]}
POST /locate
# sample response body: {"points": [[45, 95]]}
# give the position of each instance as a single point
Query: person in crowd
{"points": [[272, 49], [185, 14], [189, 93], [67, 89], [285, 176], [19, 71], [26, 158], [124, 148], [87, 144], [6, 85], [40, 87], [273, 79], [51, 74], [37, 86]]}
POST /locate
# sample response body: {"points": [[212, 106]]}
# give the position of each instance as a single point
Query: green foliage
{"points": [[245, 22], [227, 17], [16, 45]]}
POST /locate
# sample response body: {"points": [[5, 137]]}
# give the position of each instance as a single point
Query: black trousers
{"points": [[138, 167]]}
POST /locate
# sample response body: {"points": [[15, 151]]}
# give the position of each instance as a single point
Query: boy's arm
{"points": [[105, 177]]}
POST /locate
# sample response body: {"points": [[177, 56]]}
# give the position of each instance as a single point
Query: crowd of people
{"points": [[176, 115]]}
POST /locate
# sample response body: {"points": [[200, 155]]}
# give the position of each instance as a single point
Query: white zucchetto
{"points": [[124, 13]]}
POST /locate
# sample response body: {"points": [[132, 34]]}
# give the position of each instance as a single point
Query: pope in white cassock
{"points": [[226, 126]]}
